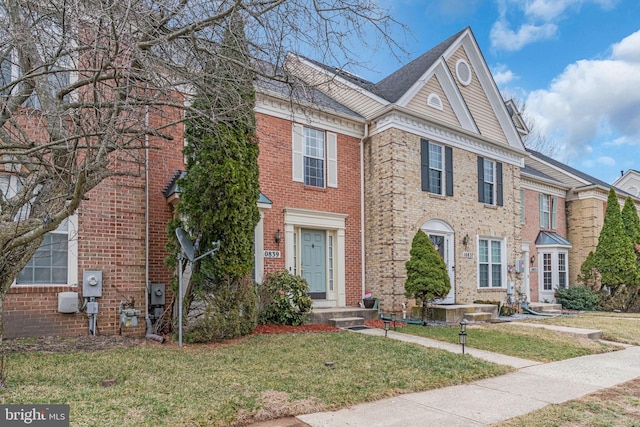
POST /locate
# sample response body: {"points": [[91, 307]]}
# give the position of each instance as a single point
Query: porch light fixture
{"points": [[533, 259], [278, 236], [463, 334], [465, 241]]}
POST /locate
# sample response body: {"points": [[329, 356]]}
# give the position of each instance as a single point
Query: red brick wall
{"points": [[111, 239], [531, 228], [276, 183]]}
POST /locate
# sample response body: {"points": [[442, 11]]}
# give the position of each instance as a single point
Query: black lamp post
{"points": [[463, 334], [386, 327], [393, 319]]}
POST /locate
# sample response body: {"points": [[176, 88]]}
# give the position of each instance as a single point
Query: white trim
{"points": [[429, 130], [297, 149], [440, 228], [503, 261], [332, 159], [434, 101], [331, 222], [464, 82], [451, 91], [542, 187]]}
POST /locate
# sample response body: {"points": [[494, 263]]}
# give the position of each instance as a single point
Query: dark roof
{"points": [[590, 179], [552, 239], [535, 172], [398, 83], [294, 89], [171, 186], [392, 87]]}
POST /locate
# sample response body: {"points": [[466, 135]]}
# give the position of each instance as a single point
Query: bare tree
{"points": [[80, 77], [535, 139]]}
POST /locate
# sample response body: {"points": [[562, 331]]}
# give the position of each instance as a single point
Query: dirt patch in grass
{"points": [[278, 405], [56, 344]]}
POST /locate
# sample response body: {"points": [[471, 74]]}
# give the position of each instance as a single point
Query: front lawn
{"points": [[255, 378], [618, 327], [518, 341]]}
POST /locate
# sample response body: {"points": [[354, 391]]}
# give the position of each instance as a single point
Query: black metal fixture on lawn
{"points": [[386, 327], [393, 319], [463, 334]]}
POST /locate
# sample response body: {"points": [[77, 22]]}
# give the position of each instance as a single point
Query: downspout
{"points": [[362, 236], [148, 329]]}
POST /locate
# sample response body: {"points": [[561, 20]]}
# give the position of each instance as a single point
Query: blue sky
{"points": [[575, 64]]}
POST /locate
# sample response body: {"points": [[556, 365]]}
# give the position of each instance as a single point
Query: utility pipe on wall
{"points": [[362, 239]]}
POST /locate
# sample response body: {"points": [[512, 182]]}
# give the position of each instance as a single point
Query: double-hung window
{"points": [[436, 168], [548, 206], [55, 261], [315, 157], [489, 182], [490, 270]]}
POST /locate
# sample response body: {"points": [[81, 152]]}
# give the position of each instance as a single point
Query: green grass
{"points": [[618, 406], [518, 341], [259, 377], [618, 327]]}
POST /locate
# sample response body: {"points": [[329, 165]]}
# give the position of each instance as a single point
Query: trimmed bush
{"points": [[577, 298], [283, 299]]}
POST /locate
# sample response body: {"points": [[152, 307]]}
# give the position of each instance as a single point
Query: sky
{"points": [[575, 64]]}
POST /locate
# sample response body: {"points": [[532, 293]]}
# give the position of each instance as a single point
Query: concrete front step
{"points": [[477, 317], [346, 322], [542, 307], [323, 315]]}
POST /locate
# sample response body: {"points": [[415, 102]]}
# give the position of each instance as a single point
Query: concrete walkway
{"points": [[533, 386]]}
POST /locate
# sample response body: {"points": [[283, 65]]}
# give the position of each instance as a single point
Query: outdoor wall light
{"points": [[465, 241], [533, 259], [463, 334], [278, 236]]}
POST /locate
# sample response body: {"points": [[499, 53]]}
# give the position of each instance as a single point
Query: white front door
{"points": [[441, 235]]}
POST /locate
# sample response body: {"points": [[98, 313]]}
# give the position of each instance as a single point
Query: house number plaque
{"points": [[272, 254]]}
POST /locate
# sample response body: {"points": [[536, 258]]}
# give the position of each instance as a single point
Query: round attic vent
{"points": [[633, 190], [463, 71]]}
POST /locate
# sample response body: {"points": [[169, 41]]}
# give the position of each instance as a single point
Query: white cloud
{"points": [[540, 20], [549, 10], [502, 75], [592, 100], [606, 160], [504, 38]]}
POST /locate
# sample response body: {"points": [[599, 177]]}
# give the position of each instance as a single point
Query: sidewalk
{"points": [[489, 401]]}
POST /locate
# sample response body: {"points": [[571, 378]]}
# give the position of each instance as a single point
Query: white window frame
{"points": [[555, 273], [491, 182], [545, 211], [490, 262], [330, 156], [441, 170], [72, 243]]}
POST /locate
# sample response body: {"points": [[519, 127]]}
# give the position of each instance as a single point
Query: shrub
{"points": [[577, 298], [229, 312], [283, 299]]}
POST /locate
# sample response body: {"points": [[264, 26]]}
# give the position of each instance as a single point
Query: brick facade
{"points": [[275, 162], [396, 208]]}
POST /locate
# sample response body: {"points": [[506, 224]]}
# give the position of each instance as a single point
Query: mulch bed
{"points": [[379, 323], [286, 329]]}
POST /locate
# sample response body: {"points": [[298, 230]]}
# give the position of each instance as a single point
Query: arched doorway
{"points": [[441, 235]]}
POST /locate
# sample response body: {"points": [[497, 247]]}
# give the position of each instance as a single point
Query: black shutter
{"points": [[499, 182], [480, 179], [424, 164], [448, 158]]}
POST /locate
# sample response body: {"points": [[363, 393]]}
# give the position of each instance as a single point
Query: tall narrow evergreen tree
{"points": [[427, 277], [220, 189], [614, 257], [631, 221]]}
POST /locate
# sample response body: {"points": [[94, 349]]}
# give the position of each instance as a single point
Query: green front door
{"points": [[314, 262]]}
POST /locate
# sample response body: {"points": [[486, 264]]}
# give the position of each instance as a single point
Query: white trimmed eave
{"points": [[394, 117], [468, 41], [451, 91], [277, 105], [559, 171], [598, 192], [336, 77], [532, 182]]}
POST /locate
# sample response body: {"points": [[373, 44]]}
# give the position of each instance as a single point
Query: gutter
{"points": [[362, 227]]}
